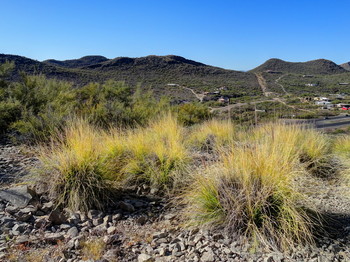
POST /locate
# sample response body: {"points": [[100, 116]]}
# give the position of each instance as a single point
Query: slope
{"points": [[319, 66]]}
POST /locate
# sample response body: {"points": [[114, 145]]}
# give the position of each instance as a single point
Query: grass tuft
{"points": [[158, 155], [73, 163], [213, 134], [251, 193]]}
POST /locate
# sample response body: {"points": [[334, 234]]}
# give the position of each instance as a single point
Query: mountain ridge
{"points": [[150, 71], [346, 66], [76, 63], [318, 66], [157, 72]]}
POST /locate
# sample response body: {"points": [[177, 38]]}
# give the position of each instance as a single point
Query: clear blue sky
{"points": [[234, 34]]}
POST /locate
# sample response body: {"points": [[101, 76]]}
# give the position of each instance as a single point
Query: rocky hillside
{"points": [[346, 66], [34, 67], [319, 66], [76, 63], [151, 71]]}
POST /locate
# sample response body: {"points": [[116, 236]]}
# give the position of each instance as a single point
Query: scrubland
{"points": [[101, 141], [242, 180]]}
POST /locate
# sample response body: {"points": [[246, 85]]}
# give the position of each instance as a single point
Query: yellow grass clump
{"points": [[341, 146], [73, 164], [250, 192], [93, 249], [213, 134], [311, 147], [158, 153], [85, 163]]}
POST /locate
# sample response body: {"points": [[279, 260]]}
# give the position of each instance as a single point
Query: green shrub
{"points": [[192, 113], [9, 112]]}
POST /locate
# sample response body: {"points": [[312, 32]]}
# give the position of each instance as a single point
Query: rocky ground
{"points": [[139, 228], [14, 163]]}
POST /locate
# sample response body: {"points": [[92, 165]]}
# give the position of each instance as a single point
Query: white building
{"points": [[323, 103]]}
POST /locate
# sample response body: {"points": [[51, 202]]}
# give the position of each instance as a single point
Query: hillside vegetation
{"points": [[75, 63], [36, 107], [154, 72], [320, 66]]}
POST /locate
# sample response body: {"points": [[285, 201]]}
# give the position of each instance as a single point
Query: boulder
{"points": [[72, 232], [47, 207], [93, 214], [53, 237], [22, 239], [111, 230], [11, 210], [144, 258], [126, 206], [18, 196], [41, 188], [23, 216], [57, 217], [7, 222], [40, 223], [208, 256], [18, 229]]}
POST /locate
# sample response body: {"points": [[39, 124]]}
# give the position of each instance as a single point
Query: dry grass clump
{"points": [[341, 146], [251, 193], [213, 134], [158, 155], [312, 147], [93, 249], [316, 155], [73, 163], [85, 163]]}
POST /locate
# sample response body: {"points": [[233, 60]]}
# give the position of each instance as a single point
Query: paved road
{"points": [[332, 122]]}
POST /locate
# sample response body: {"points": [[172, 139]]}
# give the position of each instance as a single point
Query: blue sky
{"points": [[232, 34]]}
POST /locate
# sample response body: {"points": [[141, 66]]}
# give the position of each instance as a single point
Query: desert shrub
{"points": [[45, 105], [213, 134], [115, 103], [306, 115], [9, 109], [192, 113], [103, 103], [37, 107], [9, 112], [250, 193], [73, 165], [145, 107]]}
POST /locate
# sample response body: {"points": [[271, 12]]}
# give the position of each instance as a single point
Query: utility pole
{"points": [[228, 108], [256, 116]]}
